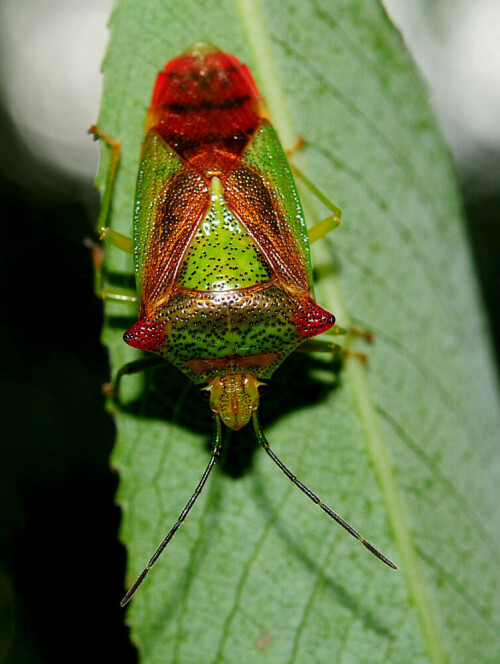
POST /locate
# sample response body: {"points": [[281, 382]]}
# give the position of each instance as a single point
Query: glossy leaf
{"points": [[404, 448]]}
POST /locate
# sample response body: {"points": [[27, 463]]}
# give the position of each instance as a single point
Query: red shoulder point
{"points": [[311, 319], [146, 335]]}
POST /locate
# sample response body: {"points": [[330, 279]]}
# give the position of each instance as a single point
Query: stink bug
{"points": [[221, 248]]}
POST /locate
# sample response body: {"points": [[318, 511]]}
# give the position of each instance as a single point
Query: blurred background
{"points": [[56, 436]]}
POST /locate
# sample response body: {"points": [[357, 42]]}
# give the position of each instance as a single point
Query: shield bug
{"points": [[221, 248]]}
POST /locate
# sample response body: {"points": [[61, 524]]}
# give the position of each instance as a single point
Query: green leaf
{"points": [[404, 448]]}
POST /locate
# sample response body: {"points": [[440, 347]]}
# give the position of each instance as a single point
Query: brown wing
{"points": [[170, 200], [262, 192]]}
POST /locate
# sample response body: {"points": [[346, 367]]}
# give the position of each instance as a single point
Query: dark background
{"points": [[61, 566]]}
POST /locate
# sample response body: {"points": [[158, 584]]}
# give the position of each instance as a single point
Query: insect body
{"points": [[221, 248], [222, 257]]}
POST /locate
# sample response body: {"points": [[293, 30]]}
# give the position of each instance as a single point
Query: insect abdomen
{"points": [[206, 106]]}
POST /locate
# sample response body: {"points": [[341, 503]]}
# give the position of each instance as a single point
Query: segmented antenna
{"points": [[216, 445], [263, 441]]}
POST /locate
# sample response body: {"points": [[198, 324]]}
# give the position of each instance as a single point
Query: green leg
{"points": [[122, 295], [328, 224], [336, 330], [328, 345], [323, 346], [107, 234], [331, 222], [137, 366], [102, 229], [315, 233], [323, 227], [115, 239]]}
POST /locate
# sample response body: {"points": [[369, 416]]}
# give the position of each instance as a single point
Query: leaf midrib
{"points": [[266, 67]]}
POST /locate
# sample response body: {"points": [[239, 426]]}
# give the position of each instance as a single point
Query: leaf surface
{"points": [[404, 448]]}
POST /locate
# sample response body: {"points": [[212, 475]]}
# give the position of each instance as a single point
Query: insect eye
{"points": [[205, 393], [262, 389]]}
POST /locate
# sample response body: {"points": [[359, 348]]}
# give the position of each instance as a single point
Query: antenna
{"points": [[265, 444], [216, 446]]}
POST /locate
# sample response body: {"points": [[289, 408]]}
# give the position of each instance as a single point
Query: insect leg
{"points": [[116, 239], [107, 234], [122, 295], [263, 441], [115, 146], [323, 227], [216, 445], [142, 364], [301, 143], [326, 346], [367, 335], [328, 224], [112, 389], [117, 294]]}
